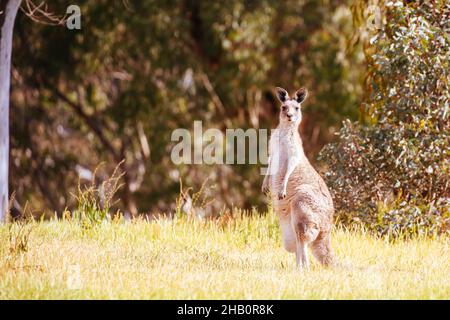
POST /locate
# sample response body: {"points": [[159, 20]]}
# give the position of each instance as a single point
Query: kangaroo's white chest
{"points": [[284, 150]]}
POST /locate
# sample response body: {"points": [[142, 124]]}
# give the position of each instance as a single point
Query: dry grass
{"points": [[239, 258]]}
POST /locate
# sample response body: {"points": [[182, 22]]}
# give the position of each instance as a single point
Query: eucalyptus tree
{"points": [[8, 11]]}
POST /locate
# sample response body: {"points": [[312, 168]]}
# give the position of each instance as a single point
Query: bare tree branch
{"points": [[41, 14], [90, 122]]}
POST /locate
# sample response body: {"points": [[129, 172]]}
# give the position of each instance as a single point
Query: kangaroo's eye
{"points": [[297, 108], [284, 108]]}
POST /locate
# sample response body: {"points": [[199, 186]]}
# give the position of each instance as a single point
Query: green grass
{"points": [[239, 258]]}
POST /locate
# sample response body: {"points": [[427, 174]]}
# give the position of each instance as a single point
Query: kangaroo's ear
{"points": [[282, 94], [301, 95]]}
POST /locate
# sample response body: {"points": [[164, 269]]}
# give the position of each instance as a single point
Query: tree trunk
{"points": [[8, 11]]}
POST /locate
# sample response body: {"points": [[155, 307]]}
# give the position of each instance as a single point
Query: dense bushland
{"points": [[391, 169]]}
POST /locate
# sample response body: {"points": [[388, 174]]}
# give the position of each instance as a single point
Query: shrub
{"points": [[94, 203], [391, 169]]}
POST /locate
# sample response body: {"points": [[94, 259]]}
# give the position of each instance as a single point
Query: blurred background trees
{"points": [[137, 70]]}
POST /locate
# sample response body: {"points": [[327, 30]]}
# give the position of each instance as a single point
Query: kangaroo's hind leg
{"points": [[306, 231], [289, 242], [301, 255]]}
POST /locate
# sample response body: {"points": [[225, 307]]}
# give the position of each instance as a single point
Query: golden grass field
{"points": [[239, 258]]}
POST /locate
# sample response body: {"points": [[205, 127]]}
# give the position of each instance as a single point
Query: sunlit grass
{"points": [[239, 258]]}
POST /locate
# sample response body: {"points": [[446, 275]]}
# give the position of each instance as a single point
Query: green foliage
{"points": [[392, 170]]}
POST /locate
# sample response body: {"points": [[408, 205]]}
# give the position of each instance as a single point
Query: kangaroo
{"points": [[300, 197]]}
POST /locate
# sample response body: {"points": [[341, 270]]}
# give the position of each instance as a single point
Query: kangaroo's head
{"points": [[291, 111]]}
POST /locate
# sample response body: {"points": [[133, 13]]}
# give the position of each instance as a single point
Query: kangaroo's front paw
{"points": [[282, 195], [265, 189]]}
